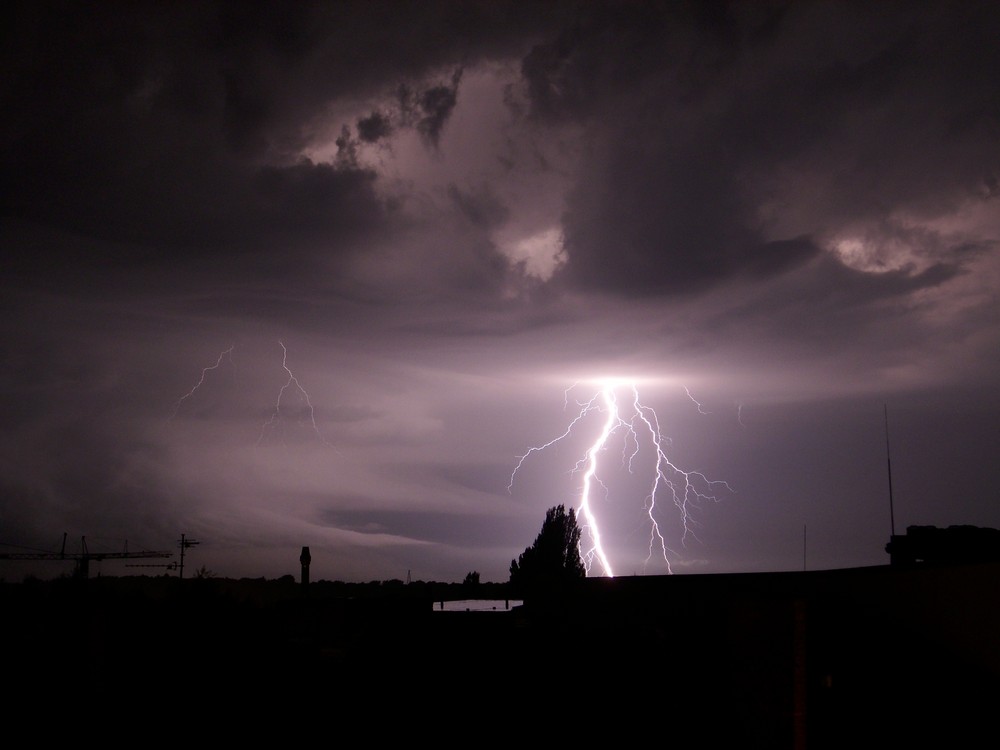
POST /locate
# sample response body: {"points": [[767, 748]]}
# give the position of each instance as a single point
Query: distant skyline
{"points": [[312, 274]]}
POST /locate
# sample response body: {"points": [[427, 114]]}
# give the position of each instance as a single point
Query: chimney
{"points": [[305, 558]]}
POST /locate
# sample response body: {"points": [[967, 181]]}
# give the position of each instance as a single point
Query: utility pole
{"points": [[184, 544]]}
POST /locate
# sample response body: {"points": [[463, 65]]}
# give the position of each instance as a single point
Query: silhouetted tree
{"points": [[554, 558], [472, 578]]}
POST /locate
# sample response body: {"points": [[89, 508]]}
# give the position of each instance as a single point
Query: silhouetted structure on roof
{"points": [[953, 545], [304, 559]]}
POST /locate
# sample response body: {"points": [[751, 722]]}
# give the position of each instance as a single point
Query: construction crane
{"points": [[83, 557]]}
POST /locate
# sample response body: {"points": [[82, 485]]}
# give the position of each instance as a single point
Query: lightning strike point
{"points": [[640, 427]]}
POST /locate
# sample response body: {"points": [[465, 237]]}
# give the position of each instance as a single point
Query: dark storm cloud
{"points": [[772, 258], [704, 124], [72, 455], [429, 109], [318, 200], [374, 127], [122, 132], [471, 531], [481, 206], [180, 126], [829, 301]]}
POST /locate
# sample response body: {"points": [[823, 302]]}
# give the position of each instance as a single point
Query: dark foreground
{"points": [[840, 659]]}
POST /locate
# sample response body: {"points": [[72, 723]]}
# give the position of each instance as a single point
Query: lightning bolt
{"points": [[640, 427], [275, 417], [218, 363], [695, 401]]}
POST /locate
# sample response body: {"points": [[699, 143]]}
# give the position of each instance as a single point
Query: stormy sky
{"points": [[320, 274]]}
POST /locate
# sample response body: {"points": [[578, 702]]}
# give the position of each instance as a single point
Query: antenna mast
{"points": [[888, 462]]}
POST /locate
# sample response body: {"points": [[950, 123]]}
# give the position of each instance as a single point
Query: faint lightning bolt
{"points": [[275, 417], [696, 402], [641, 427], [218, 363]]}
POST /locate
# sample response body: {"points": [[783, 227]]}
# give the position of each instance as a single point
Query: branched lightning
{"points": [[218, 363], [695, 401], [272, 421], [276, 415], [640, 425]]}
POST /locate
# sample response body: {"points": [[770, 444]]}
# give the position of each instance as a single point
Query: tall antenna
{"points": [[888, 462]]}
